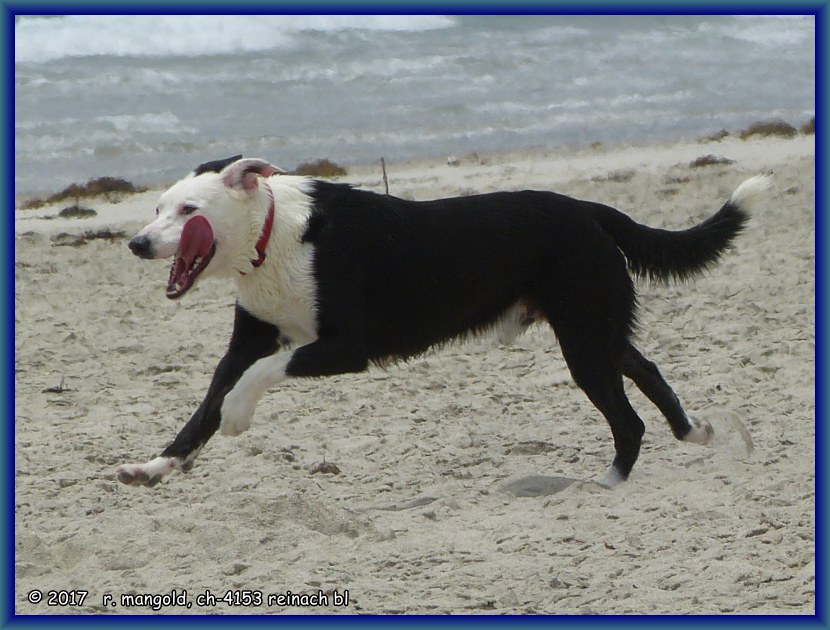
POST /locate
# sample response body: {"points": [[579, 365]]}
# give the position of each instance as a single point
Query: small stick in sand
{"points": [[385, 181], [57, 390]]}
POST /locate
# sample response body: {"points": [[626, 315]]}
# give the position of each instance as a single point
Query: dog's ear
{"points": [[242, 174], [216, 166]]}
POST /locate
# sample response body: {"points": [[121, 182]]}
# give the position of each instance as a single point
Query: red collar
{"points": [[262, 243]]}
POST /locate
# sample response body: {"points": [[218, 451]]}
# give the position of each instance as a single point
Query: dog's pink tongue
{"points": [[195, 243]]}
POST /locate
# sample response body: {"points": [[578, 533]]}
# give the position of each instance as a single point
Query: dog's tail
{"points": [[664, 254]]}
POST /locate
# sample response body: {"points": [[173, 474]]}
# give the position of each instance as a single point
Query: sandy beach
{"points": [[466, 480]]}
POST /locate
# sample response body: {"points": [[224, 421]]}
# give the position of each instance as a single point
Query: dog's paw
{"points": [[612, 478], [700, 433], [148, 474], [237, 413]]}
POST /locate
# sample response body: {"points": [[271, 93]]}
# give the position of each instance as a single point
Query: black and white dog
{"points": [[348, 277]]}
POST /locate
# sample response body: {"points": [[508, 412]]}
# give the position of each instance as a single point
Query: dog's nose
{"points": [[140, 246]]}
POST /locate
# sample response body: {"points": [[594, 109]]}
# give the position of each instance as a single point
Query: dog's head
{"points": [[209, 222]]}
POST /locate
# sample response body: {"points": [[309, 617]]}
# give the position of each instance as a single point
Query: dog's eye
{"points": [[157, 211], [189, 209]]}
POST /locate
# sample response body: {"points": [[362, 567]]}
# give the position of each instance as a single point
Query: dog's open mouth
{"points": [[196, 248]]}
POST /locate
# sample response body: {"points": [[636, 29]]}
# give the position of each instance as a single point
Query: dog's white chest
{"points": [[283, 292]]}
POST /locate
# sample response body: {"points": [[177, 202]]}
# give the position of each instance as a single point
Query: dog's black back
{"points": [[427, 272]]}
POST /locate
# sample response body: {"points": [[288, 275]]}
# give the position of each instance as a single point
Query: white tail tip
{"points": [[750, 191]]}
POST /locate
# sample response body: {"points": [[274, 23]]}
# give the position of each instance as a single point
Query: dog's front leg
{"points": [[323, 357], [252, 339]]}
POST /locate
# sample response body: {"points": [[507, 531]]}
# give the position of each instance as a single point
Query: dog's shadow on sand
{"points": [[539, 485], [529, 486], [732, 442]]}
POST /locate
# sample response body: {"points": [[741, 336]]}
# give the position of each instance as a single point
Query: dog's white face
{"points": [[209, 222]]}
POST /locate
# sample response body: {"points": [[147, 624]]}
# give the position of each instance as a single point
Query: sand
{"points": [[430, 510]]}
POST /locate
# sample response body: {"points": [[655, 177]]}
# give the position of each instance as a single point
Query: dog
{"points": [[332, 279]]}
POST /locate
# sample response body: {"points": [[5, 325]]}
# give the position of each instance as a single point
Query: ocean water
{"points": [[148, 98]]}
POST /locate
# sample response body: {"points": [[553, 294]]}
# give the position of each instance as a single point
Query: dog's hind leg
{"points": [[588, 299], [252, 339], [593, 358], [605, 389], [649, 380]]}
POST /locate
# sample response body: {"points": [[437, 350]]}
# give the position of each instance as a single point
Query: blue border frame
{"points": [[821, 380], [424, 7], [7, 338], [8, 9]]}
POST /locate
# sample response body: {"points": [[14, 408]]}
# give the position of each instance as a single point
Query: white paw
{"points": [[148, 474], [701, 432], [612, 478], [237, 413]]}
